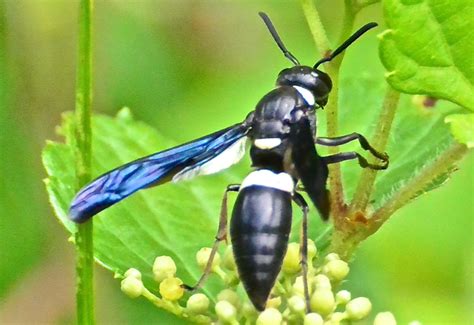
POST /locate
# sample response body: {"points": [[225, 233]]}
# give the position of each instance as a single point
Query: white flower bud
{"points": [[270, 316], [322, 301], [312, 249], [248, 310], [163, 267], [171, 289], [132, 287], [385, 318], [274, 302], [197, 303], [297, 304], [343, 297], [336, 270], [228, 261], [331, 257], [291, 262], [313, 319], [225, 311], [298, 286], [321, 281], [133, 273], [230, 296], [358, 308], [415, 322], [202, 257], [336, 318]]}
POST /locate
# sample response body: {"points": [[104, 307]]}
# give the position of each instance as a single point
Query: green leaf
{"points": [[418, 137], [428, 48], [173, 219], [462, 128], [22, 241]]}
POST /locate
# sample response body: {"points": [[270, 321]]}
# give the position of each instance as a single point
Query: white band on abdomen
{"points": [[267, 178]]}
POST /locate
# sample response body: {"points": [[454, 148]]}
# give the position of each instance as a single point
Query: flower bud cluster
{"points": [[132, 284], [164, 271], [328, 305]]}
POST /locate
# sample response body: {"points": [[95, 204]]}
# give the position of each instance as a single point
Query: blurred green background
{"points": [[189, 68]]}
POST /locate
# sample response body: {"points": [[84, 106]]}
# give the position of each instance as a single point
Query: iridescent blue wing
{"points": [[206, 155]]}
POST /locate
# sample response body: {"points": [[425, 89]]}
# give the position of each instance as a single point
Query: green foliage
{"points": [[428, 48], [462, 128], [20, 249], [418, 137]]}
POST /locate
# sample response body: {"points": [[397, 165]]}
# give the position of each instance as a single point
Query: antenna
{"points": [[277, 38], [347, 43]]}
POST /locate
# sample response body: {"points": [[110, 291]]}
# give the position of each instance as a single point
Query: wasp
{"points": [[282, 132]]}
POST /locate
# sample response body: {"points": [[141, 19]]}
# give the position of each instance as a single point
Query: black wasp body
{"points": [[282, 133]]}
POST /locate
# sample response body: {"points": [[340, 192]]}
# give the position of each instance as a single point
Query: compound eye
{"points": [[321, 102], [325, 80]]}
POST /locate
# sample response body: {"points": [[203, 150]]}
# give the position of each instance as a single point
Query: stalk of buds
{"points": [[286, 305]]}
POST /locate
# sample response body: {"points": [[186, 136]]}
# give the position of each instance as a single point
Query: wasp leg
{"points": [[337, 141], [298, 198], [220, 236], [342, 156]]}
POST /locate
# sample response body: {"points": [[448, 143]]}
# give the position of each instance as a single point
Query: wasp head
{"points": [[311, 79], [314, 80]]}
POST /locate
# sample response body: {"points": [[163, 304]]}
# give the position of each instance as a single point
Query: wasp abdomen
{"points": [[260, 227]]}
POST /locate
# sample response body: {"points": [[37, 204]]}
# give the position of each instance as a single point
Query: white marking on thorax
{"points": [[307, 95], [267, 178], [227, 158], [267, 143]]}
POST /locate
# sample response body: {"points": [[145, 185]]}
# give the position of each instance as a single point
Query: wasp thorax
{"points": [[316, 81]]}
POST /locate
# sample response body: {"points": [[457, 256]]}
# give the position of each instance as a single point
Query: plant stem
{"points": [[175, 308], [348, 21], [360, 4], [439, 166], [84, 234], [332, 68], [332, 130], [316, 26], [350, 230], [379, 141], [346, 240]]}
